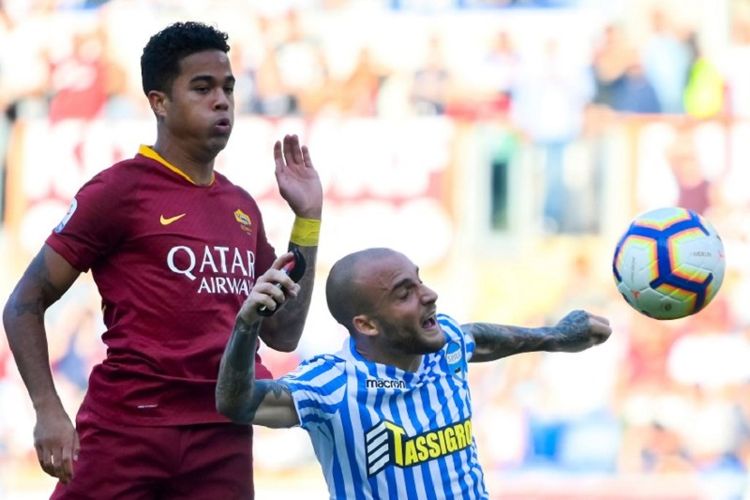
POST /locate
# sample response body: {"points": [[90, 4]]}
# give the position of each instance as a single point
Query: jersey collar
{"points": [[149, 152]]}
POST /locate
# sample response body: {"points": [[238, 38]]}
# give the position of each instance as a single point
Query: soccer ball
{"points": [[669, 263]]}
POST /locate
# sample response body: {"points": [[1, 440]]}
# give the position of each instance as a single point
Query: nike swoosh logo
{"points": [[165, 221]]}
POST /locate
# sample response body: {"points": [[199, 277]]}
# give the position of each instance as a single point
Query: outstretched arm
{"points": [[239, 395], [577, 331], [299, 184]]}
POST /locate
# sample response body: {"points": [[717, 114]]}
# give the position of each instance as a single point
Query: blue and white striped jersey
{"points": [[380, 432]]}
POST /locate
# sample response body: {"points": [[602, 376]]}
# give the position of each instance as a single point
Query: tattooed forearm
{"points": [[237, 373], [497, 341], [573, 333], [238, 395]]}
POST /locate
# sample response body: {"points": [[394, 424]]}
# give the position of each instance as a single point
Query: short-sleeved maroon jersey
{"points": [[173, 262]]}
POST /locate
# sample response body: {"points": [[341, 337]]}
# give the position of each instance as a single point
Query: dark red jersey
{"points": [[173, 262]]}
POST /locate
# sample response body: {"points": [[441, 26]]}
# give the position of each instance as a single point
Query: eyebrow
{"points": [[211, 79], [404, 282]]}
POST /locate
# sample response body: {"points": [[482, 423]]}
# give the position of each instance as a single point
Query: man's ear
{"points": [[158, 101], [365, 325]]}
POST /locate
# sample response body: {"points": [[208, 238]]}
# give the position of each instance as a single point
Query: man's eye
{"points": [[229, 90], [202, 90]]}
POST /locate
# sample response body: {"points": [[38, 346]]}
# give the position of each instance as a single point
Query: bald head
{"points": [[344, 292]]}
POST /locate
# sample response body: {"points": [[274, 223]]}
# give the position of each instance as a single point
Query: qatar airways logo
{"points": [[216, 269]]}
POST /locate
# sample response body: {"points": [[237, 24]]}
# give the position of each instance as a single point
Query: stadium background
{"points": [[502, 145]]}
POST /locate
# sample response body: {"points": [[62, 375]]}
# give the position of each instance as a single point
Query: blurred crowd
{"points": [[78, 59], [666, 397]]}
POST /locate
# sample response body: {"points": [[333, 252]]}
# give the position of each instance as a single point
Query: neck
{"points": [[406, 362], [199, 169]]}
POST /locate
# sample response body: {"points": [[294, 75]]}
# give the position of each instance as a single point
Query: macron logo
{"points": [[376, 383]]}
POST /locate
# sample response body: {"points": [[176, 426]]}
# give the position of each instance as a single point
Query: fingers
{"points": [[57, 461], [599, 328], [277, 156], [66, 467], [306, 157], [282, 260], [45, 460], [270, 295], [274, 286], [600, 319], [292, 153]]}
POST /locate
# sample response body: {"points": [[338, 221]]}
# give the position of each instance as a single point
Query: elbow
{"points": [[229, 410], [224, 405], [283, 346], [281, 343]]}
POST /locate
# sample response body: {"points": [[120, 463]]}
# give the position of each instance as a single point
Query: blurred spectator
{"points": [[79, 80], [735, 67], [501, 69], [549, 100], [621, 84], [704, 91], [359, 93], [89, 82], [25, 90], [693, 188], [431, 85], [666, 60], [302, 67], [613, 54], [268, 95], [632, 92]]}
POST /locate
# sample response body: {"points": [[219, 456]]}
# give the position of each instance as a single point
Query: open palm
{"points": [[299, 183]]}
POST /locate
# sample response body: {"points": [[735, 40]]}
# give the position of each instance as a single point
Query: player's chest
{"points": [[172, 220]]}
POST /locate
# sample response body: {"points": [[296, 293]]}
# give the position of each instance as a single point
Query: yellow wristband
{"points": [[305, 232]]}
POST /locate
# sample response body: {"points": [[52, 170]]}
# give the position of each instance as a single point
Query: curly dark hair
{"points": [[160, 61]]}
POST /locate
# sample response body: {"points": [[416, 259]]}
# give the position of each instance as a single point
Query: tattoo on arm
{"points": [[236, 380], [238, 394], [572, 334], [261, 389], [498, 341], [35, 304]]}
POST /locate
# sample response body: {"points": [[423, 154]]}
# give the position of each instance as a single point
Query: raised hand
{"points": [[299, 183], [579, 330]]}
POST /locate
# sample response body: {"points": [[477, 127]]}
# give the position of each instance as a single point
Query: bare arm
{"points": [[299, 184], [282, 331], [239, 395], [46, 279], [576, 332]]}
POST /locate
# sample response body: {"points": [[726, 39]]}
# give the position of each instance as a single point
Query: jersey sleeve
{"points": [[453, 332], [318, 386], [95, 221]]}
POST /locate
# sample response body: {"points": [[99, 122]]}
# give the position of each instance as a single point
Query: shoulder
{"points": [[450, 326], [122, 175], [223, 181], [319, 368], [234, 192]]}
